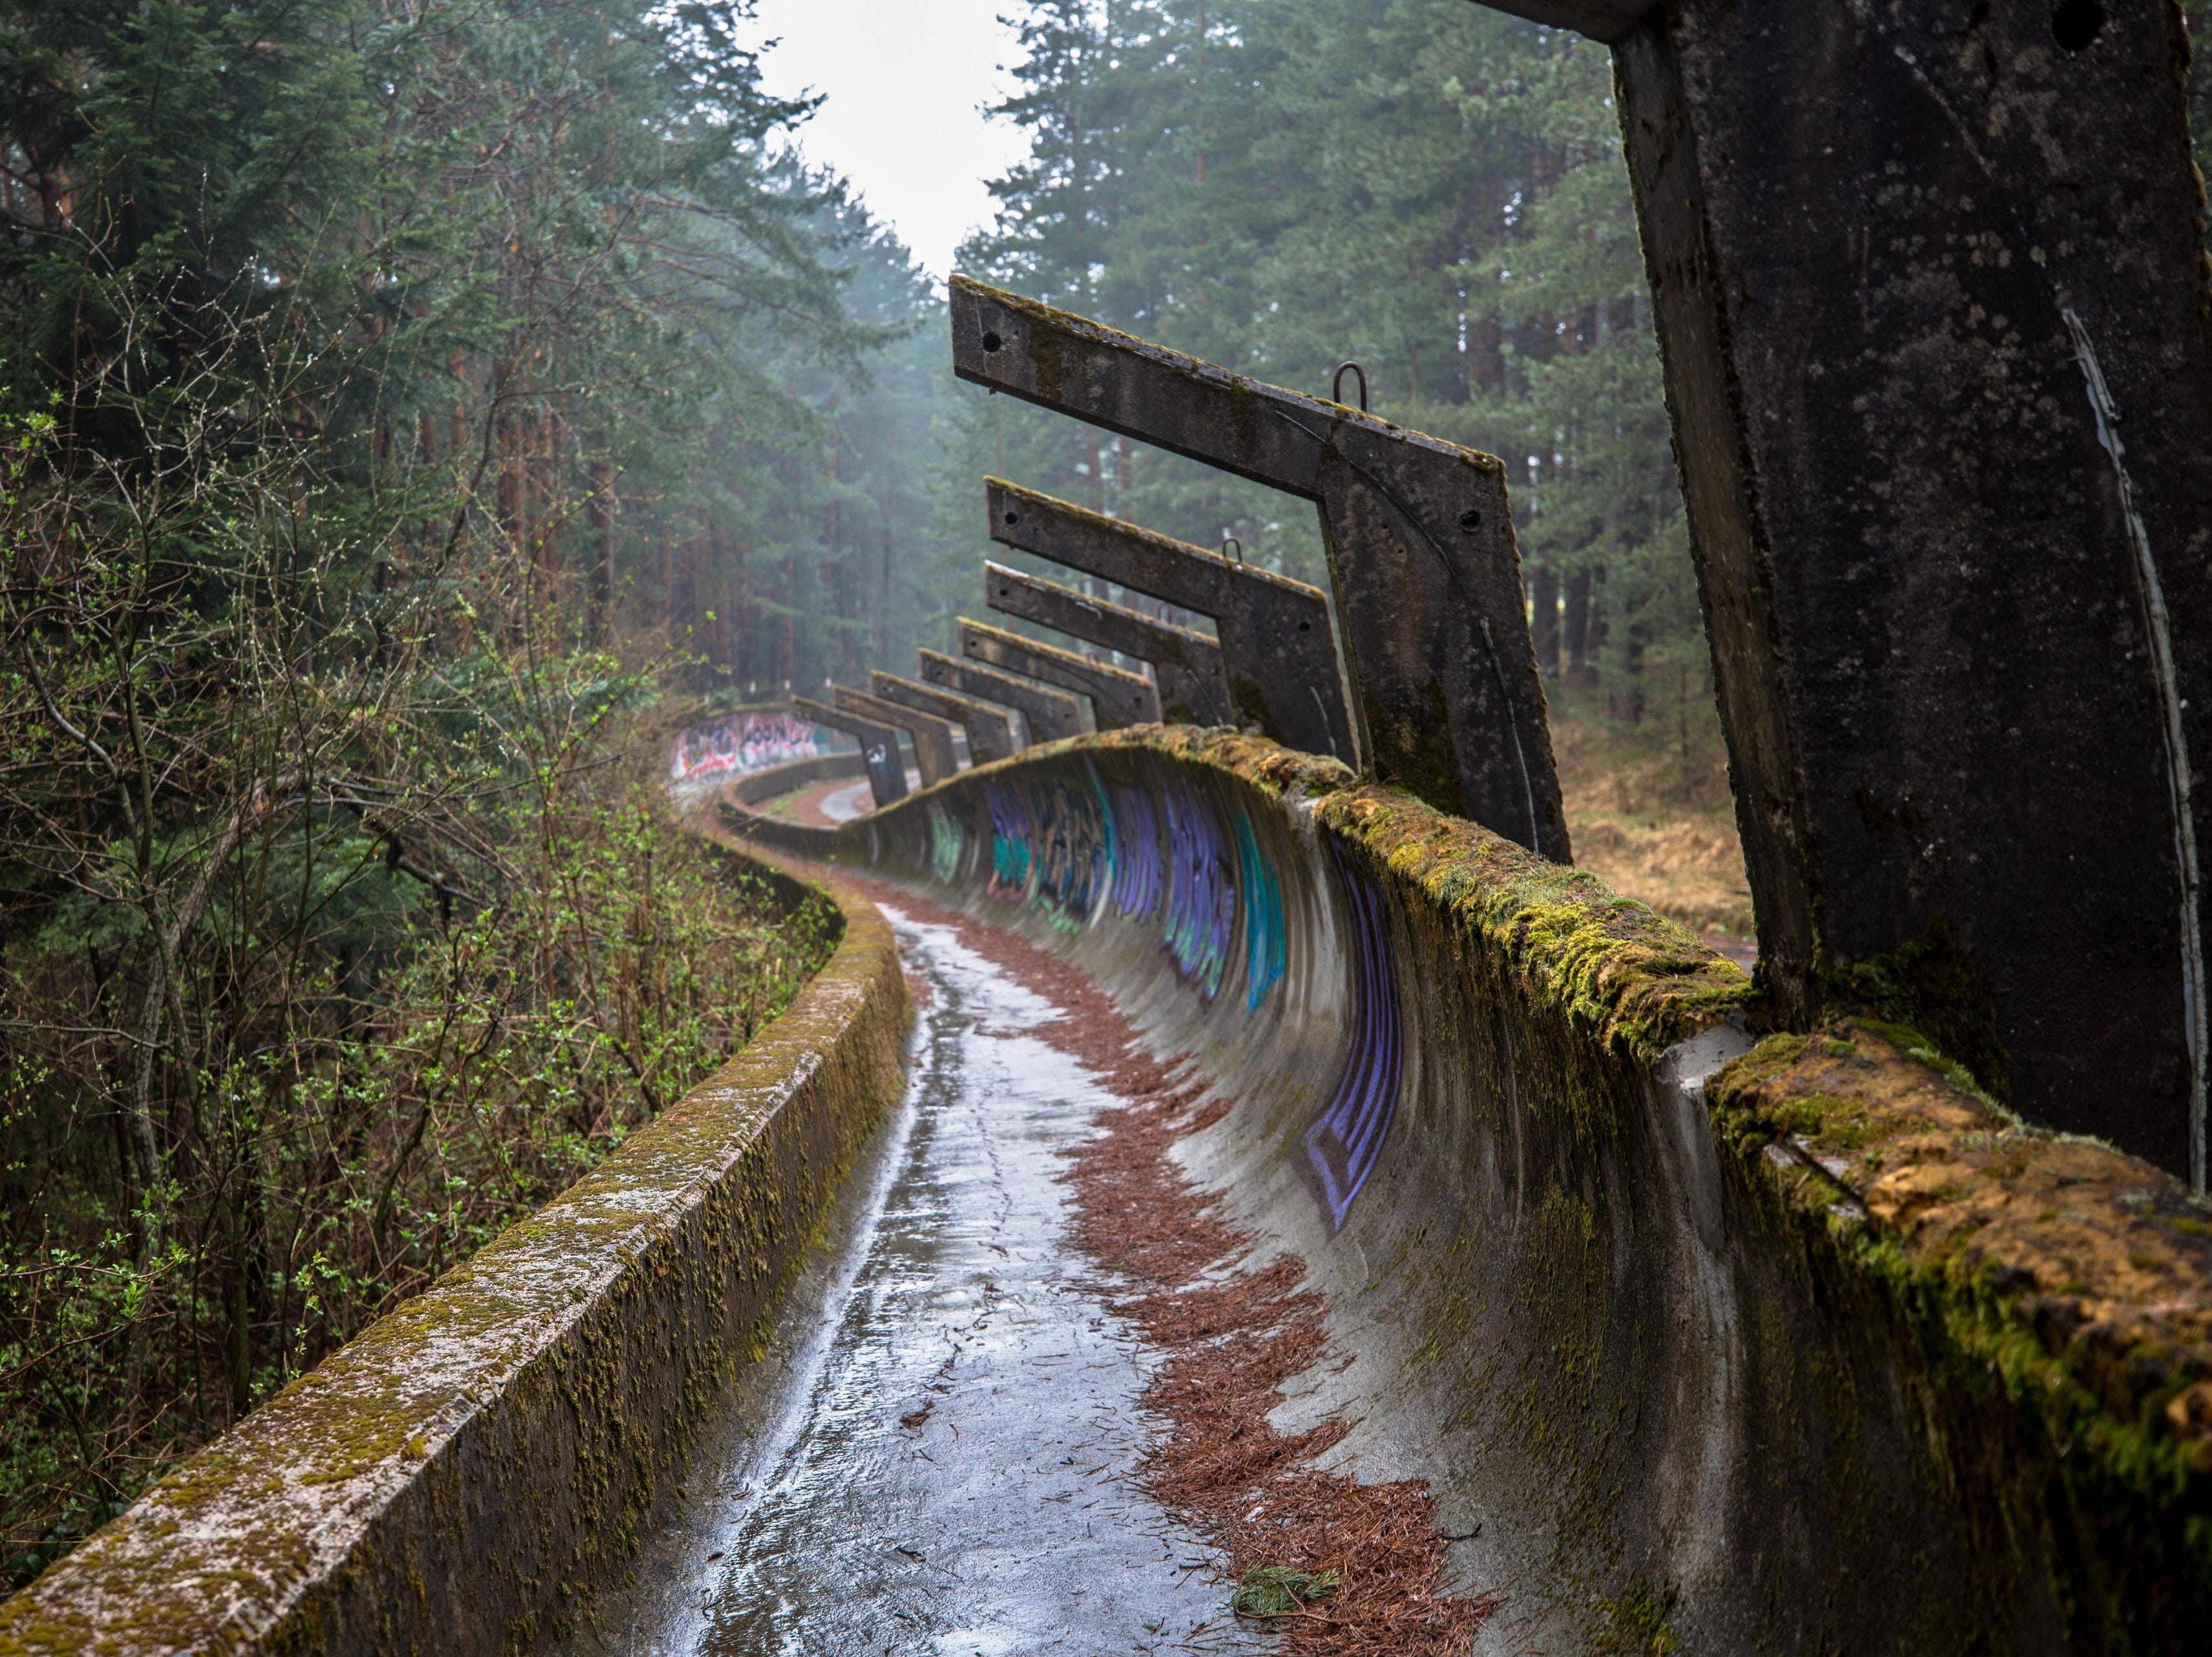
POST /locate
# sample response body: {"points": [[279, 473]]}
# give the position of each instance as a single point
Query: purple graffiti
{"points": [[1011, 829], [1071, 854], [1202, 891], [1347, 1137], [1137, 873]]}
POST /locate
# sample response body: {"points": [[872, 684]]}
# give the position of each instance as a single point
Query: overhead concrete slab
{"points": [[1118, 697], [936, 753], [1930, 289], [1050, 714], [992, 733], [1278, 646], [1186, 665]]}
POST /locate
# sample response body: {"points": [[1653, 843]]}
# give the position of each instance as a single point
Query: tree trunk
{"points": [[1581, 669], [603, 551], [1544, 624]]}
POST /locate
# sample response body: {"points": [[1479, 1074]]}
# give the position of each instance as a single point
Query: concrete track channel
{"points": [[939, 1455]]}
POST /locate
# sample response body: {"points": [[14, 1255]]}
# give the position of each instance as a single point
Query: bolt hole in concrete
{"points": [[938, 1455], [2076, 23]]}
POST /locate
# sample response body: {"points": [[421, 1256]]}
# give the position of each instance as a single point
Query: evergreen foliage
{"points": [[393, 394]]}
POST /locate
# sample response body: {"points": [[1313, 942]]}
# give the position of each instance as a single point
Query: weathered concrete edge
{"points": [[469, 1471], [2075, 1272], [2091, 1315]]}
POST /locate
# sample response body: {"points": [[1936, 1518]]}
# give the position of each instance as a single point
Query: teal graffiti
{"points": [[948, 841], [1266, 950]]}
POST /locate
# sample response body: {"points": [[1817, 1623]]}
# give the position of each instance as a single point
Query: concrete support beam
{"points": [[993, 734], [1929, 287], [879, 742], [1186, 665], [1277, 651], [1118, 697], [1049, 714], [936, 753], [1429, 604]]}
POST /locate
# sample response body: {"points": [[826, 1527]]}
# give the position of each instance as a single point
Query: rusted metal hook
{"points": [[1336, 385], [1228, 541]]}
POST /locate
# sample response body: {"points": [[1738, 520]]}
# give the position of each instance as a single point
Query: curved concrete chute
{"points": [[1726, 1343], [1692, 1340]]}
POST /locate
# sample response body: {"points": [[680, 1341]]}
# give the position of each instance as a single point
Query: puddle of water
{"points": [[939, 1455]]}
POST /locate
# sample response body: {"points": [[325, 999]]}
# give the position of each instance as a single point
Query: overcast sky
{"points": [[906, 81]]}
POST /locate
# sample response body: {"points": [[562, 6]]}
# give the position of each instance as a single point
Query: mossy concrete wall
{"points": [[464, 1477], [1707, 1343]]}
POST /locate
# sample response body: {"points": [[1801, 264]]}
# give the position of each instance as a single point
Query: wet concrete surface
{"points": [[938, 1455]]}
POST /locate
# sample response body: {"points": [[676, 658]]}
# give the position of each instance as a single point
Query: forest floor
{"points": [[1650, 814]]}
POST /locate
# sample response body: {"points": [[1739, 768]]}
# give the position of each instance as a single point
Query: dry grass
{"points": [[1229, 1336], [1651, 816]]}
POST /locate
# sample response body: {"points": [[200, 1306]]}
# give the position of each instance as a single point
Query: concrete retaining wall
{"points": [[1811, 1351], [464, 1477]]}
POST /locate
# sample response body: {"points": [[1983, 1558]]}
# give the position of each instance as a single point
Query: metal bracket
{"points": [[1051, 714], [1277, 653], [879, 749], [935, 755], [1429, 601], [992, 732], [1118, 696], [1186, 665]]}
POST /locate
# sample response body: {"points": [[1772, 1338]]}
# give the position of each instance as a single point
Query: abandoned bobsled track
{"points": [[1697, 1341]]}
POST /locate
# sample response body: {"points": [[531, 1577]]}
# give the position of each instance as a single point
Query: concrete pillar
{"points": [[1931, 292], [1421, 552], [1119, 698], [1186, 665], [934, 755], [993, 734], [1050, 714], [879, 749], [1277, 648]]}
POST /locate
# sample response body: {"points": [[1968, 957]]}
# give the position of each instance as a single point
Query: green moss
{"points": [[1634, 1624], [1417, 755], [1935, 985], [579, 1406]]}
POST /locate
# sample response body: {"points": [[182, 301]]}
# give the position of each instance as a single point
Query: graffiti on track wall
{"points": [[1013, 835], [1138, 876], [1346, 1138], [1196, 866], [740, 742]]}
